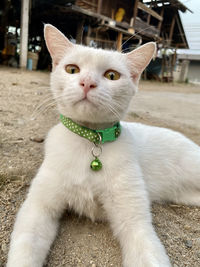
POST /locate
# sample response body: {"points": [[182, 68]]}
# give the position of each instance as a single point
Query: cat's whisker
{"points": [[122, 96], [114, 112], [105, 99], [134, 36], [50, 98], [50, 102], [118, 104], [107, 105], [44, 102], [34, 116], [45, 87], [125, 49], [44, 105]]}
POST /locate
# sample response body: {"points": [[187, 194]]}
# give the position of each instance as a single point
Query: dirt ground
{"points": [[80, 242]]}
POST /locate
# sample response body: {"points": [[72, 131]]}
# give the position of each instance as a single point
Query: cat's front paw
{"points": [[148, 260], [152, 260], [22, 256], [145, 256]]}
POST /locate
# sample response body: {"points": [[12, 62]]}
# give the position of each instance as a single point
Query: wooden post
{"points": [[24, 33], [149, 15], [171, 30], [160, 22], [135, 10], [163, 65], [180, 29], [4, 19], [119, 41], [79, 31], [99, 6]]}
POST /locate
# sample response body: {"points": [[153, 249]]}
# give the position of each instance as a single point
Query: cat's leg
{"points": [[173, 173], [189, 188], [185, 178], [37, 221], [128, 210]]}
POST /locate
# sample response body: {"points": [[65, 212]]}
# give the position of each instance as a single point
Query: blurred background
{"points": [[113, 24]]}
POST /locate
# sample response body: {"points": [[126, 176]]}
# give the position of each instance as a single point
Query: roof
{"points": [[171, 3], [195, 57], [171, 10]]}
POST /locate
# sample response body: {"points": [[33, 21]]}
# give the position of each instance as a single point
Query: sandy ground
{"points": [[80, 242]]}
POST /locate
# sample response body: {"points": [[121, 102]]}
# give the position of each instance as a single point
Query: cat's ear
{"points": [[139, 59], [56, 43]]}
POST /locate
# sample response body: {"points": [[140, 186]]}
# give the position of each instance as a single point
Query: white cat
{"points": [[94, 87]]}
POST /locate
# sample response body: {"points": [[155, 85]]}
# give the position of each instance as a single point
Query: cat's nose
{"points": [[87, 85]]}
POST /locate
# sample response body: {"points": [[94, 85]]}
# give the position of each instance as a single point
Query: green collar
{"points": [[95, 136]]}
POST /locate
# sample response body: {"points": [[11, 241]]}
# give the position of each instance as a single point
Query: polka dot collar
{"points": [[95, 136]]}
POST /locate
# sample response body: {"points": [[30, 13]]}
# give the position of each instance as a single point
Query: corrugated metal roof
{"points": [[175, 3]]}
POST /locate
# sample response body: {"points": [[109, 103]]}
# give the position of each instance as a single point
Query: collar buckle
{"points": [[110, 134]]}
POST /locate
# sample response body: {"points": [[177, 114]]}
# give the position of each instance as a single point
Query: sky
{"points": [[191, 24]]}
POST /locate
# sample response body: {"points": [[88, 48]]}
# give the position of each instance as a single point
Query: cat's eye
{"points": [[72, 69], [112, 75]]}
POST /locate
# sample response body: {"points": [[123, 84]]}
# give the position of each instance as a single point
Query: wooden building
{"points": [[110, 24]]}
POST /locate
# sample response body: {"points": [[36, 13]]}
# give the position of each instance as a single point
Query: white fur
{"points": [[144, 164]]}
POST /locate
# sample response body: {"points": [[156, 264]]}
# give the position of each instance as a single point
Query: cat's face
{"points": [[93, 85]]}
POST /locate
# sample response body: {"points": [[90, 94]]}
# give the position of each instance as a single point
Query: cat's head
{"points": [[93, 85]]}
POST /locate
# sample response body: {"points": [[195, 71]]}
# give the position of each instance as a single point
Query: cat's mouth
{"points": [[85, 101]]}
